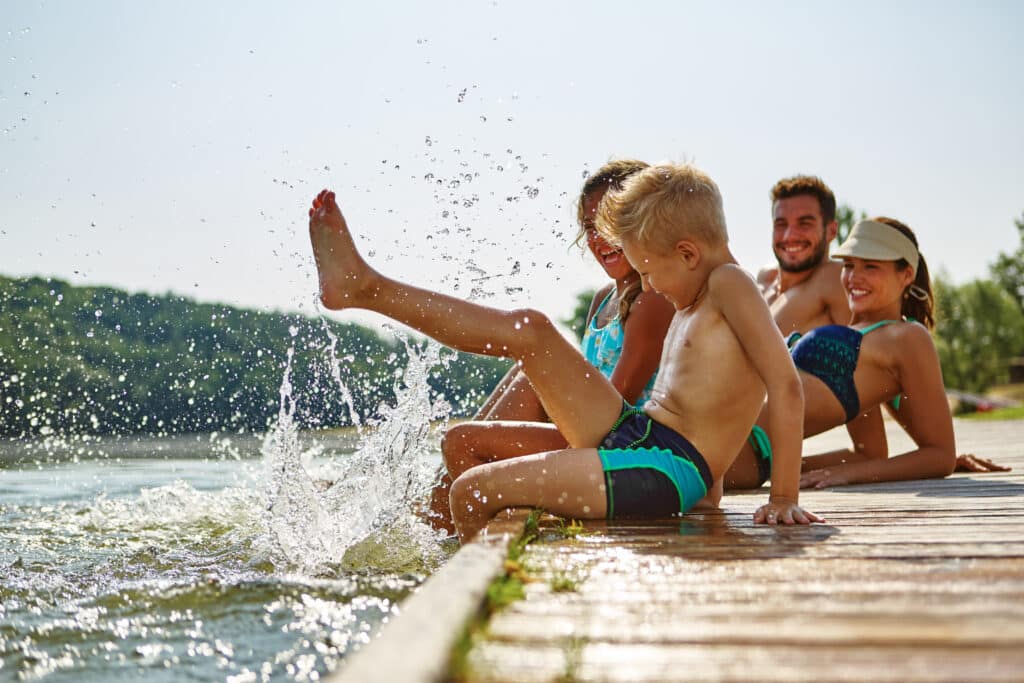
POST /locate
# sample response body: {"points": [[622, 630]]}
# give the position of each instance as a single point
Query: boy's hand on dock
{"points": [[779, 511]]}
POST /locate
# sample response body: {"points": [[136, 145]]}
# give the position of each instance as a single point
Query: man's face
{"points": [[799, 237]]}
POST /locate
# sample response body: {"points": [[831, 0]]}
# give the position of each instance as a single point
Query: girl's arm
{"points": [[867, 434], [644, 335], [924, 414]]}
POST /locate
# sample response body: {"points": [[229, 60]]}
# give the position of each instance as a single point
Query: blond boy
{"points": [[722, 355]]}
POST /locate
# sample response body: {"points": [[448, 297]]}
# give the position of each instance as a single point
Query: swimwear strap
{"points": [[760, 442]]}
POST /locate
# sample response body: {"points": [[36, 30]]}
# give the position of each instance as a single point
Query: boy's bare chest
{"points": [[694, 340]]}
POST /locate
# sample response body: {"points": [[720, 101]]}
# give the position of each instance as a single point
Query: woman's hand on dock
{"points": [[823, 478], [969, 462]]}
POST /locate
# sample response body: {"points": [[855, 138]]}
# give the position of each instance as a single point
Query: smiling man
{"points": [[803, 290]]}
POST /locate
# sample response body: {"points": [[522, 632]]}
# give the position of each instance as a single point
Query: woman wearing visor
{"points": [[885, 356]]}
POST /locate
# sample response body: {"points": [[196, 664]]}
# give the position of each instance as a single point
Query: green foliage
{"points": [[562, 582], [979, 328], [846, 216], [503, 591], [1008, 270], [571, 530], [577, 322], [1016, 413], [101, 360]]}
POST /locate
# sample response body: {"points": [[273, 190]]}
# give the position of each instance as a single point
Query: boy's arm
{"points": [[747, 314]]}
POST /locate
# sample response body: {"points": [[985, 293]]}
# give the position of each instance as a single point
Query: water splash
{"points": [[322, 512]]}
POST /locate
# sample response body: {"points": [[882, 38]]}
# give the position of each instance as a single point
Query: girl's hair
{"points": [[610, 177], [918, 300]]}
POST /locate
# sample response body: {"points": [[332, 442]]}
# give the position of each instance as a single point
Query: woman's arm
{"points": [[643, 336], [867, 434], [924, 414]]}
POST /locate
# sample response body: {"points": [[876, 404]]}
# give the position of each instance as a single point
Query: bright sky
{"points": [[174, 146]]}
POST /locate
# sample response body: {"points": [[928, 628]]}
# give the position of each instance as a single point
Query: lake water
{"points": [[212, 557]]}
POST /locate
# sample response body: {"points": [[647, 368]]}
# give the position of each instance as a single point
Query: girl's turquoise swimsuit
{"points": [[602, 346], [829, 353]]}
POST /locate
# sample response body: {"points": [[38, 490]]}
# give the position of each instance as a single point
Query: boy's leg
{"points": [[568, 483], [580, 400], [471, 444]]}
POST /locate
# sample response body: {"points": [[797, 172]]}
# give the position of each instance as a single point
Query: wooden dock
{"points": [[915, 581]]}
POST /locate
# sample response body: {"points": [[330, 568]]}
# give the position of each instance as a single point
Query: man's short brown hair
{"points": [[807, 184]]}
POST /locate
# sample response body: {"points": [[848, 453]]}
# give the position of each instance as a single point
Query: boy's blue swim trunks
{"points": [[650, 470]]}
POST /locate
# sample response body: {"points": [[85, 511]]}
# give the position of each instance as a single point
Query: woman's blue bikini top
{"points": [[830, 353]]}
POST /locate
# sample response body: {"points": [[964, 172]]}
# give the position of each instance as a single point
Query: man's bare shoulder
{"points": [[828, 269], [767, 274]]}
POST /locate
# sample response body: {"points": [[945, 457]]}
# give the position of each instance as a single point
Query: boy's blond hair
{"points": [[663, 204]]}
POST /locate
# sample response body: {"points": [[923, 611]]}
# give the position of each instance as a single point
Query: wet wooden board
{"points": [[910, 581]]}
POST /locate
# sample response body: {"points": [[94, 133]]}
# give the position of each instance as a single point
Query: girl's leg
{"points": [[512, 399], [500, 388], [577, 397], [518, 401], [471, 444], [568, 483]]}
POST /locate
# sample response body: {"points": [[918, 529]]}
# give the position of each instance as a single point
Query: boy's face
{"points": [[799, 236], [665, 273]]}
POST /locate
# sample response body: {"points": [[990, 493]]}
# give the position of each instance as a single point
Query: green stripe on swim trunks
{"points": [[683, 474]]}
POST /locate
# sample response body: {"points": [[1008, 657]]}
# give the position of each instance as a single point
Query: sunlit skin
{"points": [[895, 360], [803, 288], [608, 256], [800, 237], [512, 421], [722, 323]]}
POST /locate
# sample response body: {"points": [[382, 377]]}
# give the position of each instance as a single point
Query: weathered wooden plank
{"points": [[494, 662], [908, 581], [694, 625]]}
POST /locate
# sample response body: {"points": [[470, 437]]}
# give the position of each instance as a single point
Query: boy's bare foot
{"points": [[343, 273]]}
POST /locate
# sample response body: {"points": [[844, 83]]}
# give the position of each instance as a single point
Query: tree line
{"points": [[101, 360]]}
